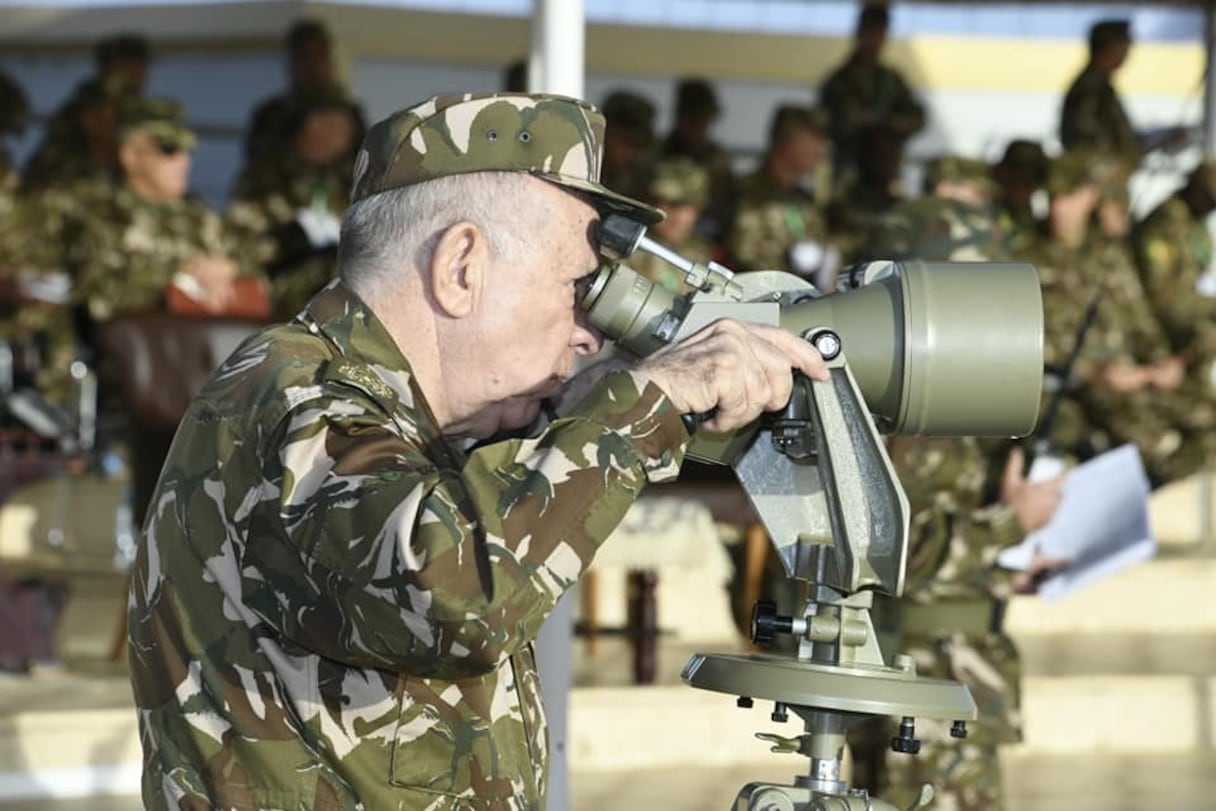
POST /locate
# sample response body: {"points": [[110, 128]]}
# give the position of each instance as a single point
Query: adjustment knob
{"points": [[745, 703], [958, 729], [764, 622], [780, 713], [905, 742]]}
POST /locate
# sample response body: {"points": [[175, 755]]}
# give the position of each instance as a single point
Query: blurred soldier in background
{"points": [[680, 188], [952, 613], [14, 114], [1173, 251], [778, 225], [864, 94], [515, 77], [78, 143], [310, 65], [697, 108], [1019, 174], [629, 143], [286, 206], [954, 221], [1093, 117]]}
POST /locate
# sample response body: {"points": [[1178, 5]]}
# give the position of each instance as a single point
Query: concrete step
{"points": [[1033, 783], [1172, 594]]}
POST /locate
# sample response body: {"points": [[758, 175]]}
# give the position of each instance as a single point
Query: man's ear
{"points": [[127, 152], [458, 269]]}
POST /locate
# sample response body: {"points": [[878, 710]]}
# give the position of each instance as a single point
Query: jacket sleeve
{"points": [[400, 557]]}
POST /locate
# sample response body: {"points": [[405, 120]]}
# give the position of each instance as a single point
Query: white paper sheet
{"points": [[1101, 525]]}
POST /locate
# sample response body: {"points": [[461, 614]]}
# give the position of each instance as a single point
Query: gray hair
{"points": [[387, 234]]}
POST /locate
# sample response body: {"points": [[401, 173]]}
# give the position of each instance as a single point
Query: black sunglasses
{"points": [[168, 147]]}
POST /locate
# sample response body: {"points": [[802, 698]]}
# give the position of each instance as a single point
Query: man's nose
{"points": [[586, 340]]}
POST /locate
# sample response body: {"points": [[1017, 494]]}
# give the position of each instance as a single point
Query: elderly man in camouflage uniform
{"points": [[863, 96], [1092, 117], [680, 189], [286, 206], [778, 224], [334, 602]]}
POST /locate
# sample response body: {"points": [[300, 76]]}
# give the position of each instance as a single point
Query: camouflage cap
{"points": [[631, 114], [1026, 159], [679, 181], [554, 138], [696, 97], [1070, 171], [160, 118], [956, 169]]}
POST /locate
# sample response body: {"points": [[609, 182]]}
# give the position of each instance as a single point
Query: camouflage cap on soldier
{"points": [[631, 114], [554, 138], [791, 118], [160, 118], [1025, 159], [696, 97], [1069, 172], [679, 181], [956, 169]]}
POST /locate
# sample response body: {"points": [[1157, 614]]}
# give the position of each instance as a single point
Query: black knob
{"points": [[958, 729], [745, 703], [764, 622], [780, 714], [905, 741]]}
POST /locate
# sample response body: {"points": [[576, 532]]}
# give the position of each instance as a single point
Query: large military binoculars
{"points": [[937, 348]]}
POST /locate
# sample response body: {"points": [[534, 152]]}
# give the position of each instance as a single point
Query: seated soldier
{"points": [[287, 203], [680, 189], [778, 222]]}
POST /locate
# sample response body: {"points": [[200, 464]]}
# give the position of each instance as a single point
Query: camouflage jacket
{"points": [[1173, 250], [939, 229], [768, 221], [1093, 118], [952, 550], [122, 250], [863, 89], [268, 194], [333, 607]]}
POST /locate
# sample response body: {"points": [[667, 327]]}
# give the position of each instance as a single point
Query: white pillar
{"points": [[557, 65], [557, 61]]}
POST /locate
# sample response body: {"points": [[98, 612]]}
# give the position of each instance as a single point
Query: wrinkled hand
{"points": [[215, 274], [1033, 502], [733, 369]]}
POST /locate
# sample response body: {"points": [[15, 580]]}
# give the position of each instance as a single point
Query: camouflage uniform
{"points": [[942, 229], [333, 606], [1024, 164], [270, 127], [631, 118], [696, 99], [274, 187], [769, 220], [867, 87], [1093, 119], [951, 621], [676, 182], [65, 156], [1173, 250]]}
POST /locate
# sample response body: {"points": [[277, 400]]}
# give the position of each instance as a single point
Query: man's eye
{"points": [[582, 286]]}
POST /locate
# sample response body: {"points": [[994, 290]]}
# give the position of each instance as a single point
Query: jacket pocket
{"points": [[462, 741]]}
